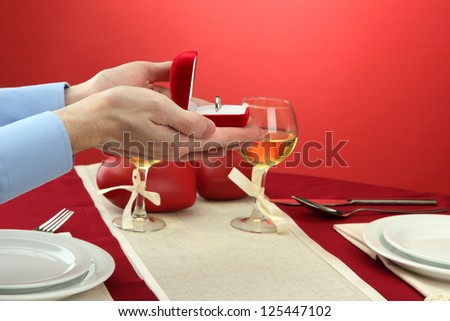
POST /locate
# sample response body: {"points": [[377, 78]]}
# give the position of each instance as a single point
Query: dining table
{"points": [[199, 256]]}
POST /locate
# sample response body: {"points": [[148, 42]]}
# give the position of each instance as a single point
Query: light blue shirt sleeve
{"points": [[20, 102], [34, 144]]}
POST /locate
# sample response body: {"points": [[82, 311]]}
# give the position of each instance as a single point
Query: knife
{"points": [[338, 202]]}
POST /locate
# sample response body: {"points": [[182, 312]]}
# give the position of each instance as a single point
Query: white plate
{"points": [[99, 272], [426, 238], [31, 260], [373, 238]]}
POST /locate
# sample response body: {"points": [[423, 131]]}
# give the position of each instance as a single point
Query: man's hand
{"points": [[160, 128], [138, 74]]}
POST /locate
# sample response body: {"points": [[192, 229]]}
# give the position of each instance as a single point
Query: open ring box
{"points": [[182, 76]]}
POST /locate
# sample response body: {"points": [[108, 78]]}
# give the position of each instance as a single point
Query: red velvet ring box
{"points": [[182, 76]]}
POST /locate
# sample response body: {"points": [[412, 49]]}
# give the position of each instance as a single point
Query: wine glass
{"points": [[277, 119], [142, 222]]}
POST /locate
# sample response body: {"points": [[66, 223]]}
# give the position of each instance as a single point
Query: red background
{"points": [[374, 73]]}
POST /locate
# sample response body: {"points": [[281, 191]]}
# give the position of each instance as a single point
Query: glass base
{"points": [[151, 224], [254, 225]]}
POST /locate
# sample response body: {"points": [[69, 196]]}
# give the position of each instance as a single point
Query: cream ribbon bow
{"points": [[137, 188], [253, 188]]}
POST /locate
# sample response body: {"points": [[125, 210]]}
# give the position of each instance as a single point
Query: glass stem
{"points": [[257, 214], [140, 212]]}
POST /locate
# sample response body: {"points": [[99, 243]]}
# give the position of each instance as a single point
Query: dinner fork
{"points": [[55, 222]]}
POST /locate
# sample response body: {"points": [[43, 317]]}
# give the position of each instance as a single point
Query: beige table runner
{"points": [[199, 256], [99, 293]]}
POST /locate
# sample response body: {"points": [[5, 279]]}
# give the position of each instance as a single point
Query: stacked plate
{"points": [[44, 266], [416, 242]]}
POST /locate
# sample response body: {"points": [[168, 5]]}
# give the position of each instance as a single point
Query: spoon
{"points": [[324, 210]]}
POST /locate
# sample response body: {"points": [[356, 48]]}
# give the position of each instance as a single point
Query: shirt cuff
{"points": [[33, 151]]}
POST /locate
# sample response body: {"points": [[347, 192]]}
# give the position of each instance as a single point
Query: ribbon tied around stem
{"points": [[138, 188], [254, 188]]}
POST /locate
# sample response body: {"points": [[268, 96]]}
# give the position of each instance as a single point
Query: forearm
{"points": [[76, 93], [84, 123]]}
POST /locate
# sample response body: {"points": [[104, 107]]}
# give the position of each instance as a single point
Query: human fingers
{"points": [[160, 89], [158, 71], [169, 144], [201, 102], [136, 73], [166, 92], [230, 137], [187, 122], [223, 139]]}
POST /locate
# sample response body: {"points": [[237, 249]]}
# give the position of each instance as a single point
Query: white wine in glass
{"points": [[142, 222], [277, 119]]}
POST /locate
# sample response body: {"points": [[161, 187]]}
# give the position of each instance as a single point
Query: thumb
{"points": [[184, 121], [190, 123], [158, 71]]}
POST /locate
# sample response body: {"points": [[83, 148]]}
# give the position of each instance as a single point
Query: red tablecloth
{"points": [[33, 208], [321, 228]]}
